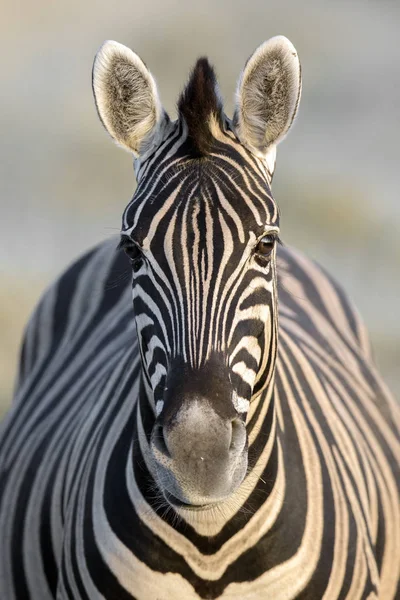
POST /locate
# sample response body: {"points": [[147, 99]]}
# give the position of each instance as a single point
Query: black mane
{"points": [[197, 103]]}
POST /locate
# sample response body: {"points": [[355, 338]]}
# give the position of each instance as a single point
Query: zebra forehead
{"points": [[213, 192]]}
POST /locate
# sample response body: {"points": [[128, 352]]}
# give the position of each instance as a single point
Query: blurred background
{"points": [[64, 184]]}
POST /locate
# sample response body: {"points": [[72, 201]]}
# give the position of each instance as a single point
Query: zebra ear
{"points": [[126, 97], [267, 95]]}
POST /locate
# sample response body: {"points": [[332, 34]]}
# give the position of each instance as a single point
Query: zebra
{"points": [[229, 435]]}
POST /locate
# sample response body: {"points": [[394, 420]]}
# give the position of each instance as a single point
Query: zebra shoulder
{"points": [[92, 284]]}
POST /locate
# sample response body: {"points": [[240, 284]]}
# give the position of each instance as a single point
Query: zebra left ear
{"points": [[268, 95], [126, 98]]}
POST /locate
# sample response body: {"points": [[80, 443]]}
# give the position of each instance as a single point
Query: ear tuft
{"points": [[126, 95], [200, 104], [268, 94]]}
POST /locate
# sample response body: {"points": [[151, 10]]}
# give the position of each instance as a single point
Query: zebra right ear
{"points": [[126, 97], [268, 95]]}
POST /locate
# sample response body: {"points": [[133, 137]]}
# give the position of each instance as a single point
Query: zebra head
{"points": [[201, 233]]}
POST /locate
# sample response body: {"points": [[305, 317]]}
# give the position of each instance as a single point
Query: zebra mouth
{"points": [[178, 503]]}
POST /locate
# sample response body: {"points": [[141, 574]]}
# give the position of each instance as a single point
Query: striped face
{"points": [[201, 236]]}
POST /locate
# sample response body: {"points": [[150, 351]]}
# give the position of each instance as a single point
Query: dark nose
{"points": [[203, 452]]}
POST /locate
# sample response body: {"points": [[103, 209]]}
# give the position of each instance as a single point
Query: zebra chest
{"points": [[117, 545], [294, 535], [117, 560]]}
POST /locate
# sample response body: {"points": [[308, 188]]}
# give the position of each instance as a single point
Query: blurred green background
{"points": [[64, 185]]}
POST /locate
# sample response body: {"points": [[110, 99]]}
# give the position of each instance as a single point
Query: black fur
{"points": [[199, 100]]}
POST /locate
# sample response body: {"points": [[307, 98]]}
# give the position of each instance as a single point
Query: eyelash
{"points": [[132, 251], [265, 245]]}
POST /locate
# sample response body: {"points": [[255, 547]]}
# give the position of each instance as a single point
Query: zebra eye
{"points": [[133, 253], [265, 245]]}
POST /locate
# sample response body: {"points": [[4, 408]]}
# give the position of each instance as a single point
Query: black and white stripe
{"points": [[87, 497]]}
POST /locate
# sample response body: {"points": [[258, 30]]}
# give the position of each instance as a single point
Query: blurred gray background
{"points": [[64, 184]]}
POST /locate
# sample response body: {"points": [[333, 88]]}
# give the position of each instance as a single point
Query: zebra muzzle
{"points": [[201, 457]]}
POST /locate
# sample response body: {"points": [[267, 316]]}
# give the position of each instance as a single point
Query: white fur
{"points": [[129, 123], [159, 407], [263, 121]]}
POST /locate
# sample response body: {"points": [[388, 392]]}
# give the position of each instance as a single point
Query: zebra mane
{"points": [[198, 104]]}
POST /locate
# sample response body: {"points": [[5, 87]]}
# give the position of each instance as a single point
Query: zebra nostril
{"points": [[238, 436], [159, 440]]}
